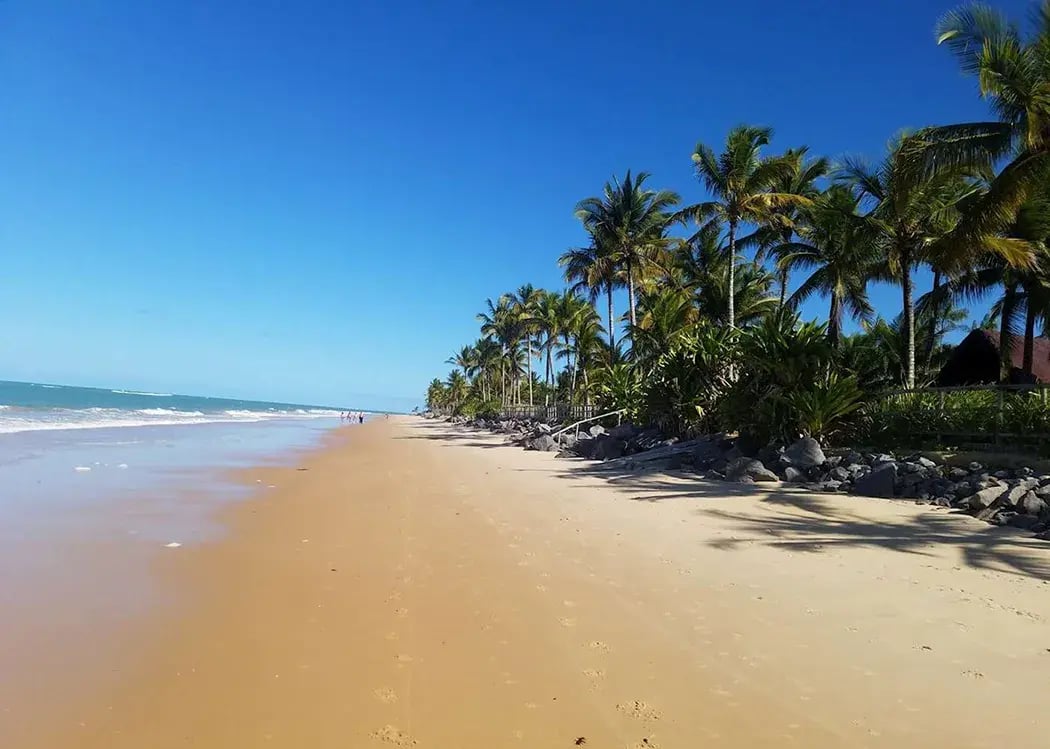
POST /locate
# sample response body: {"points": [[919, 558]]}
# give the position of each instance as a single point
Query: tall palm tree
{"points": [[500, 322], [741, 183], [800, 179], [1013, 73], [915, 215], [594, 269], [457, 387], [549, 319], [466, 359], [838, 244], [525, 300], [630, 221]]}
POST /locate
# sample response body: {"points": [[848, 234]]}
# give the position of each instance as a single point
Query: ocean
{"points": [[28, 407]]}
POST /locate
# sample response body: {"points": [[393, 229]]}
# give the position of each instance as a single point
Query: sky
{"points": [[310, 201]]}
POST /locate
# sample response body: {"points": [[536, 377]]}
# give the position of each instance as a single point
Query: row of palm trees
{"points": [[969, 201]]}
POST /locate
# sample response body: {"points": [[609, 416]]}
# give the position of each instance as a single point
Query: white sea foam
{"points": [[32, 420], [140, 392]]}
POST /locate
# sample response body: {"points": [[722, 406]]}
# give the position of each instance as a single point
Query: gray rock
{"points": [[794, 475], [838, 473], [543, 443], [925, 462], [1002, 474], [1014, 494], [881, 458], [852, 458], [957, 474], [975, 467], [833, 461], [544, 428], [879, 483], [1032, 504], [609, 448], [1003, 517], [943, 502], [1023, 472], [747, 470], [1044, 536], [568, 440], [984, 498], [805, 453], [908, 467], [623, 431], [596, 430], [1024, 522], [856, 470]]}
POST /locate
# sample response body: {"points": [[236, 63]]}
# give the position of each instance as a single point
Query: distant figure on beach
{"points": [[360, 418]]}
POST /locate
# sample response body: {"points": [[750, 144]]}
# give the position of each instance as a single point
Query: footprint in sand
{"points": [[567, 621], [393, 735], [639, 710], [402, 658], [541, 588], [386, 695], [595, 675], [391, 635], [646, 743], [568, 604], [598, 645], [401, 612]]}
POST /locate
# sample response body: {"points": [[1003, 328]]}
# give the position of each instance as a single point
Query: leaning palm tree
{"points": [[838, 245], [630, 221], [594, 269], [466, 359], [741, 183], [1013, 73]]}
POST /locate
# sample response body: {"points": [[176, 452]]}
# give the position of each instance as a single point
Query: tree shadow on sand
{"points": [[795, 520]]}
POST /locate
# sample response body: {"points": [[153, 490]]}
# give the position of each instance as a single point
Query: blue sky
{"points": [[310, 201]]}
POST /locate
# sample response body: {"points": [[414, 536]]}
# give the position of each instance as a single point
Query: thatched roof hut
{"points": [[975, 361]]}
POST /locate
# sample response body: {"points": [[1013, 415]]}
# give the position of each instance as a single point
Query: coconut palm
{"points": [[801, 179], [466, 359], [838, 245], [500, 322], [457, 387], [594, 269], [630, 221], [1013, 74], [525, 300], [550, 320], [741, 183]]}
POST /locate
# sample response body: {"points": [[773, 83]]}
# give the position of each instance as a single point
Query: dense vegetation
{"points": [[713, 339]]}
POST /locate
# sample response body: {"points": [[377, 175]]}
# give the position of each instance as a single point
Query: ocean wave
{"points": [[140, 392], [167, 412]]}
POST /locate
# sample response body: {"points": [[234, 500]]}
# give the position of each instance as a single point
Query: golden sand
{"points": [[416, 585]]}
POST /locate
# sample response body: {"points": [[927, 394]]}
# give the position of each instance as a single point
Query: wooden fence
{"points": [[554, 413]]}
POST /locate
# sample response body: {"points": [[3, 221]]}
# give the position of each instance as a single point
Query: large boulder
{"points": [[596, 431], [623, 431], [1032, 504], [805, 453], [794, 475], [543, 443], [608, 448], [880, 482], [985, 498], [746, 469]]}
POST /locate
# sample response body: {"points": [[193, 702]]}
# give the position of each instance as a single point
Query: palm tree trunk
{"points": [[612, 332], [834, 321], [732, 274], [783, 287], [529, 338], [1006, 338], [630, 296], [931, 341], [909, 317], [586, 388], [1029, 338]]}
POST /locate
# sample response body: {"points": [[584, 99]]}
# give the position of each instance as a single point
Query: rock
{"points": [[924, 501], [596, 430], [543, 443], [746, 470], [838, 473], [1043, 492], [856, 470], [852, 458], [624, 431], [1014, 494], [833, 461], [1024, 522], [984, 498], [1004, 517], [544, 428], [1044, 536], [881, 458], [943, 502], [609, 448], [568, 440], [957, 474], [1023, 472], [908, 467], [794, 475], [1032, 504], [879, 483], [1002, 474], [805, 453], [925, 462]]}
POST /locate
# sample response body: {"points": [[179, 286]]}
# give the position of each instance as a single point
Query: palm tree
{"points": [[549, 319], [457, 387], [500, 323], [667, 313], [1013, 73], [466, 359], [525, 300], [740, 181], [593, 268], [801, 179], [839, 245], [630, 221]]}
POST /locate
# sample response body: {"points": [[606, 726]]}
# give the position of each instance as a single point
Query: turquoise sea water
{"points": [[26, 406]]}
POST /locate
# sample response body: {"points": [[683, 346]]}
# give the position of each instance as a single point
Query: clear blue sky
{"points": [[309, 201]]}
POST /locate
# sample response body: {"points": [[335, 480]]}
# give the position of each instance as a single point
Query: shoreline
{"points": [[415, 586]]}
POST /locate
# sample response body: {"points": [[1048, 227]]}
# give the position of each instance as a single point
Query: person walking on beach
{"points": [[360, 418]]}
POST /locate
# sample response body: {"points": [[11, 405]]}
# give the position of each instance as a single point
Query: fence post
{"points": [[999, 417]]}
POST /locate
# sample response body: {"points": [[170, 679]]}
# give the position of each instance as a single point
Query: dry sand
{"points": [[414, 584]]}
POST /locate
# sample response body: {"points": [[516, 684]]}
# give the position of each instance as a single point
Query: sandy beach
{"points": [[418, 584]]}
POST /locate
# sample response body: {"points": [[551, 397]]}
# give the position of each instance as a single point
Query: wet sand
{"points": [[414, 584]]}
